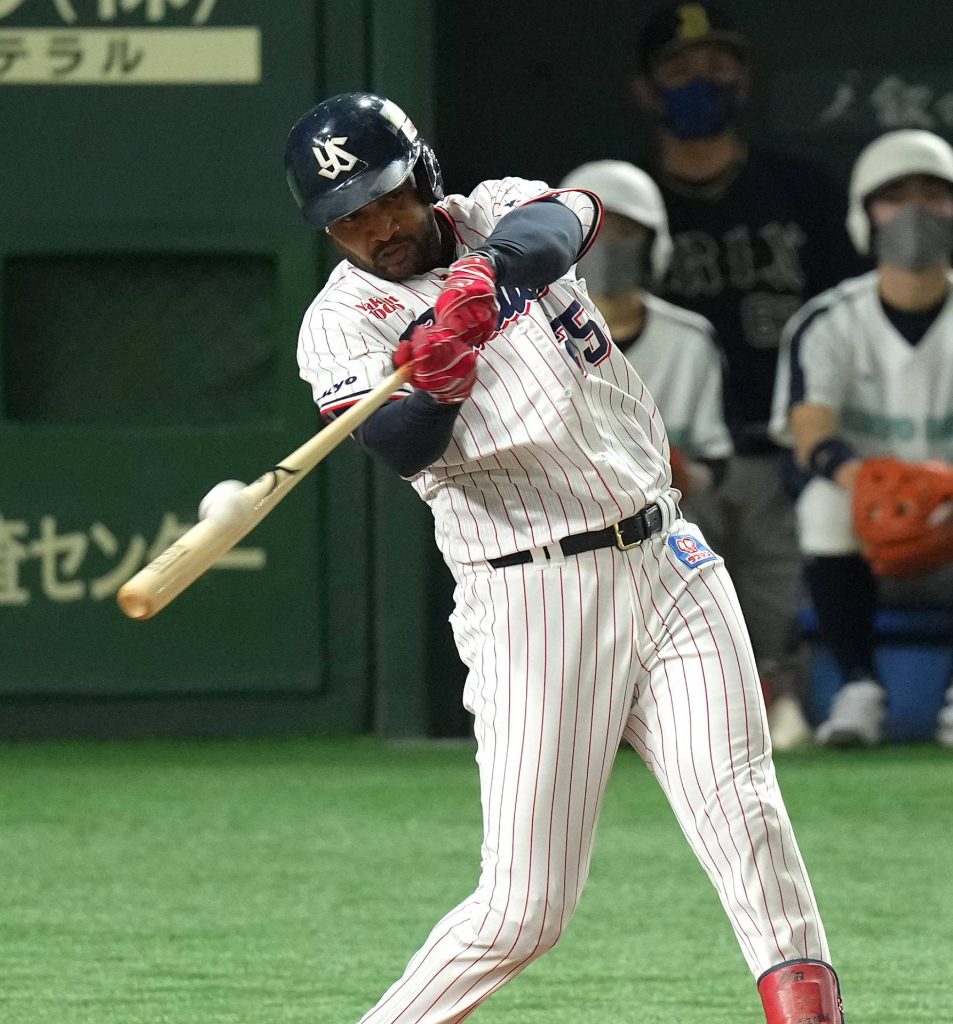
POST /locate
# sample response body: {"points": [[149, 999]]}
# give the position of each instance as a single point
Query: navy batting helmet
{"points": [[352, 149]]}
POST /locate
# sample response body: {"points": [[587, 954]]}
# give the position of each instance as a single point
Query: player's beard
{"points": [[405, 255]]}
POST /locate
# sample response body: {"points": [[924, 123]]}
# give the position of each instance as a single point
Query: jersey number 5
{"points": [[584, 339]]}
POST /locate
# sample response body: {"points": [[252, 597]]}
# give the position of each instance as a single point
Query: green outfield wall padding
{"points": [[153, 275]]}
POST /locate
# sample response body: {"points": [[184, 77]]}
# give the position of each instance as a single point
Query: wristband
{"points": [[488, 253], [828, 455]]}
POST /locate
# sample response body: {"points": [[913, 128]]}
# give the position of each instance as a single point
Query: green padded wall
{"points": [[153, 272]]}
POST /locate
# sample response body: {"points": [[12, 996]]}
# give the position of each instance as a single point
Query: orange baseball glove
{"points": [[903, 515]]}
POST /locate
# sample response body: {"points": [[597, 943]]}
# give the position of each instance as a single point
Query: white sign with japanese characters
{"points": [[93, 43], [147, 56]]}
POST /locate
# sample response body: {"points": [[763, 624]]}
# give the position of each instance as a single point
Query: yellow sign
{"points": [[146, 56]]}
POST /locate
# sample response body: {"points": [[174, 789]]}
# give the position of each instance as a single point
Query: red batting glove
{"points": [[467, 303], [443, 365]]}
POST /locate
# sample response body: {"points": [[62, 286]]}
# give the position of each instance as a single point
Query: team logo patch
{"points": [[690, 550]]}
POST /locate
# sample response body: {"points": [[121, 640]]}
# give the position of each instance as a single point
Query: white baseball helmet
{"points": [[894, 155], [626, 190]]}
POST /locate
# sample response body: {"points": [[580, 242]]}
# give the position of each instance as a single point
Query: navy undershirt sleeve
{"points": [[534, 244], [409, 434]]}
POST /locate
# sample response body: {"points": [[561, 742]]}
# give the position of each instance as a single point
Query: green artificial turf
{"points": [[289, 881]]}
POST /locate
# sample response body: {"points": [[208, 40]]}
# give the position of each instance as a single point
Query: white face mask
{"points": [[914, 239], [616, 265]]}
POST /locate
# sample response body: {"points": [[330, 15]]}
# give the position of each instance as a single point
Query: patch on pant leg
{"points": [[690, 550]]}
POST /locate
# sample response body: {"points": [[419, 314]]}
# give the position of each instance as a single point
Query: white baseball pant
{"points": [[565, 662]]}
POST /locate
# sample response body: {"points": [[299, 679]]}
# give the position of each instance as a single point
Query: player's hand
{"points": [[443, 365], [467, 303]]}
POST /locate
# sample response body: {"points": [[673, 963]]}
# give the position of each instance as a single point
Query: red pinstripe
{"points": [[721, 806], [545, 473], [733, 632], [543, 391], [784, 860], [575, 729], [734, 906], [592, 709], [545, 758], [734, 780], [760, 804], [520, 775], [518, 966]]}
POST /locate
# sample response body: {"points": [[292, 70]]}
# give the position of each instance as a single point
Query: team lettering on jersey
{"points": [[380, 308], [584, 339], [335, 388], [514, 303]]}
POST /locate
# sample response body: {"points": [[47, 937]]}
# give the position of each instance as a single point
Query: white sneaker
{"points": [[786, 723], [944, 721], [856, 718]]}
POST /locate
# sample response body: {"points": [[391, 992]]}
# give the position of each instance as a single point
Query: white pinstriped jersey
{"points": [[677, 359], [558, 437], [893, 398]]}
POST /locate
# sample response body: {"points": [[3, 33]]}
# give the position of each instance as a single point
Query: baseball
{"points": [[222, 501]]}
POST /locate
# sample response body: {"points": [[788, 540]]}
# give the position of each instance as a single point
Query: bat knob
{"points": [[134, 605]]}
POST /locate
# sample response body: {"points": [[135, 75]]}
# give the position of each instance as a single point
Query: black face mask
{"points": [[701, 108], [614, 266]]}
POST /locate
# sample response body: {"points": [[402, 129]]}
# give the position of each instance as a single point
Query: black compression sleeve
{"points": [[534, 244], [409, 434]]}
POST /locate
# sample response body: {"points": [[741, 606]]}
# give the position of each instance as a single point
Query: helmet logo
{"points": [[693, 21], [333, 159]]}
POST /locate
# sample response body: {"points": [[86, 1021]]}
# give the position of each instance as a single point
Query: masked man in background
{"points": [[755, 234]]}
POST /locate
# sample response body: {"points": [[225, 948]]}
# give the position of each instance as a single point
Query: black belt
{"points": [[622, 535]]}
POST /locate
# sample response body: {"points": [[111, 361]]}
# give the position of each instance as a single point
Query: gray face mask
{"points": [[613, 266], [914, 239]]}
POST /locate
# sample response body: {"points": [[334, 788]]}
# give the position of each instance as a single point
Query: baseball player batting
{"points": [[587, 611]]}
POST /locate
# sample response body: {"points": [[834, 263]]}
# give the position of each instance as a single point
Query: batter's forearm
{"points": [[409, 435], [534, 245]]}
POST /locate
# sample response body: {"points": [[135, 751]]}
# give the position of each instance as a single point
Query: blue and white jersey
{"points": [[559, 436], [892, 397]]}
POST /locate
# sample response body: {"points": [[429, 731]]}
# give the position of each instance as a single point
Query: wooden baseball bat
{"points": [[182, 562]]}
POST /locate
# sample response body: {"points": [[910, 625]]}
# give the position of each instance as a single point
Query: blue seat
{"points": [[914, 661]]}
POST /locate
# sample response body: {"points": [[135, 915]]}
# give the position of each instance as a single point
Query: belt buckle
{"points": [[620, 542]]}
